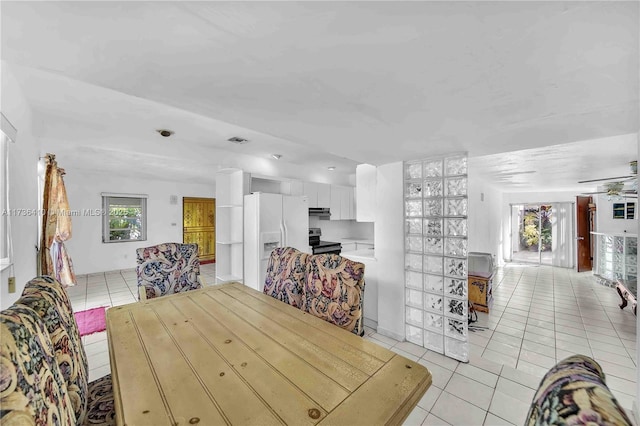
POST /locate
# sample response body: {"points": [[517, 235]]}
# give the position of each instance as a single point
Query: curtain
{"points": [[56, 226], [563, 244]]}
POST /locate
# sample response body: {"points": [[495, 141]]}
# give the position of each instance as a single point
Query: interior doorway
{"points": [[198, 225], [585, 209]]}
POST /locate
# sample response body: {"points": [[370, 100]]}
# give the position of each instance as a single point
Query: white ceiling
{"points": [[334, 83]]}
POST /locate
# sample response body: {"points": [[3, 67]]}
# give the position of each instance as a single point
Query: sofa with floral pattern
{"points": [[45, 302], [166, 269], [327, 286], [574, 392], [32, 386]]}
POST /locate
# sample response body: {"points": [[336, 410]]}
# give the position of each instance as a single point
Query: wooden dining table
{"points": [[228, 354]]}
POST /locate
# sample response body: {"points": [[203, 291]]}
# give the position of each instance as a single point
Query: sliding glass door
{"points": [[543, 234], [532, 233]]}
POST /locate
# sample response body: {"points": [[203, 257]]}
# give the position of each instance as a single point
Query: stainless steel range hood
{"points": [[321, 212]]}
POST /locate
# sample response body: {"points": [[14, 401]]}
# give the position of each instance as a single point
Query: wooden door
{"points": [[198, 224], [583, 227]]}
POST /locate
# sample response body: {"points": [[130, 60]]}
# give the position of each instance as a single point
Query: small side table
{"points": [[480, 292]]}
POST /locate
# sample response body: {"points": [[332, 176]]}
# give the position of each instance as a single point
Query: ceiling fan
{"points": [[617, 188]]}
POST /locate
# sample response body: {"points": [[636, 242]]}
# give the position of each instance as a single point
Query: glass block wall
{"points": [[436, 298], [616, 258]]}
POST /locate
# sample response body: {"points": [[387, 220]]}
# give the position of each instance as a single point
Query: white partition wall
{"points": [[436, 297]]}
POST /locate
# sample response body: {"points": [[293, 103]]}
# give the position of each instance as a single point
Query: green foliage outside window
{"points": [[125, 219], [532, 221], [125, 223]]}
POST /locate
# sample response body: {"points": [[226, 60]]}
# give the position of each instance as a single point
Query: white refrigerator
{"points": [[270, 221]]}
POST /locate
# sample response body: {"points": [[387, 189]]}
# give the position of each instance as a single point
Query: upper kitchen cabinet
{"points": [[311, 191], [319, 194], [336, 200], [294, 187], [324, 195], [365, 192], [342, 203], [274, 185]]}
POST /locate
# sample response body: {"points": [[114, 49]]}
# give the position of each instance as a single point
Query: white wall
{"points": [[604, 216], [484, 219], [389, 243], [23, 181], [86, 248]]}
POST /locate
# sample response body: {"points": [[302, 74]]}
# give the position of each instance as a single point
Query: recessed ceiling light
{"points": [[165, 133], [276, 156], [238, 140], [332, 168]]}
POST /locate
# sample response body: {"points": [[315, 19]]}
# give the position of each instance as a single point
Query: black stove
{"points": [[318, 246]]}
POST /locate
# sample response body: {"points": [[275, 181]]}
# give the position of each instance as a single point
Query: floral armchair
{"points": [[33, 388], [574, 392], [285, 275], [334, 291], [166, 269]]}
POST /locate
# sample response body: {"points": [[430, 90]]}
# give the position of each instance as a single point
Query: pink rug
{"points": [[91, 321]]}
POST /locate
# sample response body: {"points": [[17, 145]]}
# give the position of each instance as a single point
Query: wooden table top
{"points": [[228, 354]]}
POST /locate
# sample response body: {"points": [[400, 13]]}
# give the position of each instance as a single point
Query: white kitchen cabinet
{"points": [[324, 195], [292, 187], [296, 187], [365, 192], [311, 191], [345, 208], [342, 203], [352, 196], [336, 202]]}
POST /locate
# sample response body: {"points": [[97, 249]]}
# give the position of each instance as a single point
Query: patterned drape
{"points": [[56, 226]]}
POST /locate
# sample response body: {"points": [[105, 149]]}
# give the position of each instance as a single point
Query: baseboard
{"points": [[392, 334], [371, 323]]}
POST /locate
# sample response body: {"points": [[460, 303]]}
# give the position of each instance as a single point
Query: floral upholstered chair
{"points": [[33, 389], [334, 291], [166, 269], [285, 275], [574, 392], [93, 402]]}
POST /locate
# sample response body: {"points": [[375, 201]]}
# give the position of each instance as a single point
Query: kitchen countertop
{"points": [[352, 240], [362, 253]]}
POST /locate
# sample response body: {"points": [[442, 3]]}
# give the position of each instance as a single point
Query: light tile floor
{"points": [[539, 316]]}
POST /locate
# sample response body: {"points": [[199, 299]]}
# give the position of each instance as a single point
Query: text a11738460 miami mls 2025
{"points": [[40, 212]]}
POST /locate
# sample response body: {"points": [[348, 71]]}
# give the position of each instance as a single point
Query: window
{"points": [[8, 134], [4, 201], [125, 218]]}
